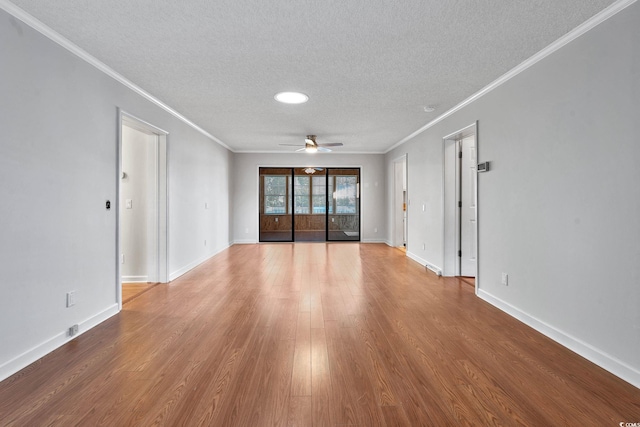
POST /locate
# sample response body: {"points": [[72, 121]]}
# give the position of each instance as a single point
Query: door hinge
{"points": [[459, 154], [460, 253], [460, 204]]}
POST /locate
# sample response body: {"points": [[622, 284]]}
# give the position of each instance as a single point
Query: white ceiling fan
{"points": [[311, 146]]}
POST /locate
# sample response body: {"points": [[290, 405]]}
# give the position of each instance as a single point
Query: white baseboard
{"points": [[245, 242], [173, 276], [434, 268], [595, 355], [390, 243], [373, 241], [416, 258], [135, 279], [28, 357]]}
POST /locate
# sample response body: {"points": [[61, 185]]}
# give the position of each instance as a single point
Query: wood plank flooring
{"points": [[133, 290], [313, 335]]}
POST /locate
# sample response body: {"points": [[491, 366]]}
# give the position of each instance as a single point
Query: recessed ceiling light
{"points": [[291, 97], [429, 109]]}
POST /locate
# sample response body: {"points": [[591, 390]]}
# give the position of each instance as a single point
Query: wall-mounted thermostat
{"points": [[483, 167]]}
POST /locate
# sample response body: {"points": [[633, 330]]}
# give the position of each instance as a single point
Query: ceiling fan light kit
{"points": [[311, 146]]}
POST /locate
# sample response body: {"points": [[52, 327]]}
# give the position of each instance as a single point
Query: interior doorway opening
{"points": [[460, 204], [309, 204], [142, 224]]}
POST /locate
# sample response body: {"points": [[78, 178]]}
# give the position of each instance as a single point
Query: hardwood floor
{"points": [[134, 290], [314, 335], [471, 281]]}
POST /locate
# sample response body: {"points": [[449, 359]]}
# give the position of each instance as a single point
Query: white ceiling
{"points": [[369, 66]]}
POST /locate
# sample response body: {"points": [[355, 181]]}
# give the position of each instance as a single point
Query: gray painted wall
{"points": [[58, 166], [560, 209], [245, 194]]}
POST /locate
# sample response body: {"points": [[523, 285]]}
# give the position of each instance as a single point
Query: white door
{"points": [[468, 224], [400, 202], [398, 240]]}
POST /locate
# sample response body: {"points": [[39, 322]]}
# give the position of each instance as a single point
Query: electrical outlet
{"points": [[71, 298], [121, 258], [505, 279], [129, 204], [424, 246], [73, 330], [375, 230], [205, 243], [206, 205]]}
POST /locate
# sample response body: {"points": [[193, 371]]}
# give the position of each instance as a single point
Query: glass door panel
{"points": [[276, 217], [343, 204], [309, 204], [309, 188]]}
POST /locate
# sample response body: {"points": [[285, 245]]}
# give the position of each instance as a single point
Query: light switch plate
{"points": [[505, 279], [71, 299]]}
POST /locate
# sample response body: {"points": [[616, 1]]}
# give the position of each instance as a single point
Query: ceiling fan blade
{"points": [[330, 144], [301, 149], [291, 145], [324, 150]]}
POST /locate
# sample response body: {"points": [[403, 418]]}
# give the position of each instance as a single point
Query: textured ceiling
{"points": [[369, 67]]}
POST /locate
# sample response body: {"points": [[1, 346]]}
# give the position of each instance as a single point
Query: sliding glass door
{"points": [[344, 204], [276, 221], [310, 195], [309, 204]]}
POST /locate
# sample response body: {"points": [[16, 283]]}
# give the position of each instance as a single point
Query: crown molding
{"points": [[562, 41], [48, 32]]}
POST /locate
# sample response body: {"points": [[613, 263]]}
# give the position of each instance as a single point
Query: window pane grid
{"points": [[346, 191], [302, 194], [319, 202], [275, 195]]}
